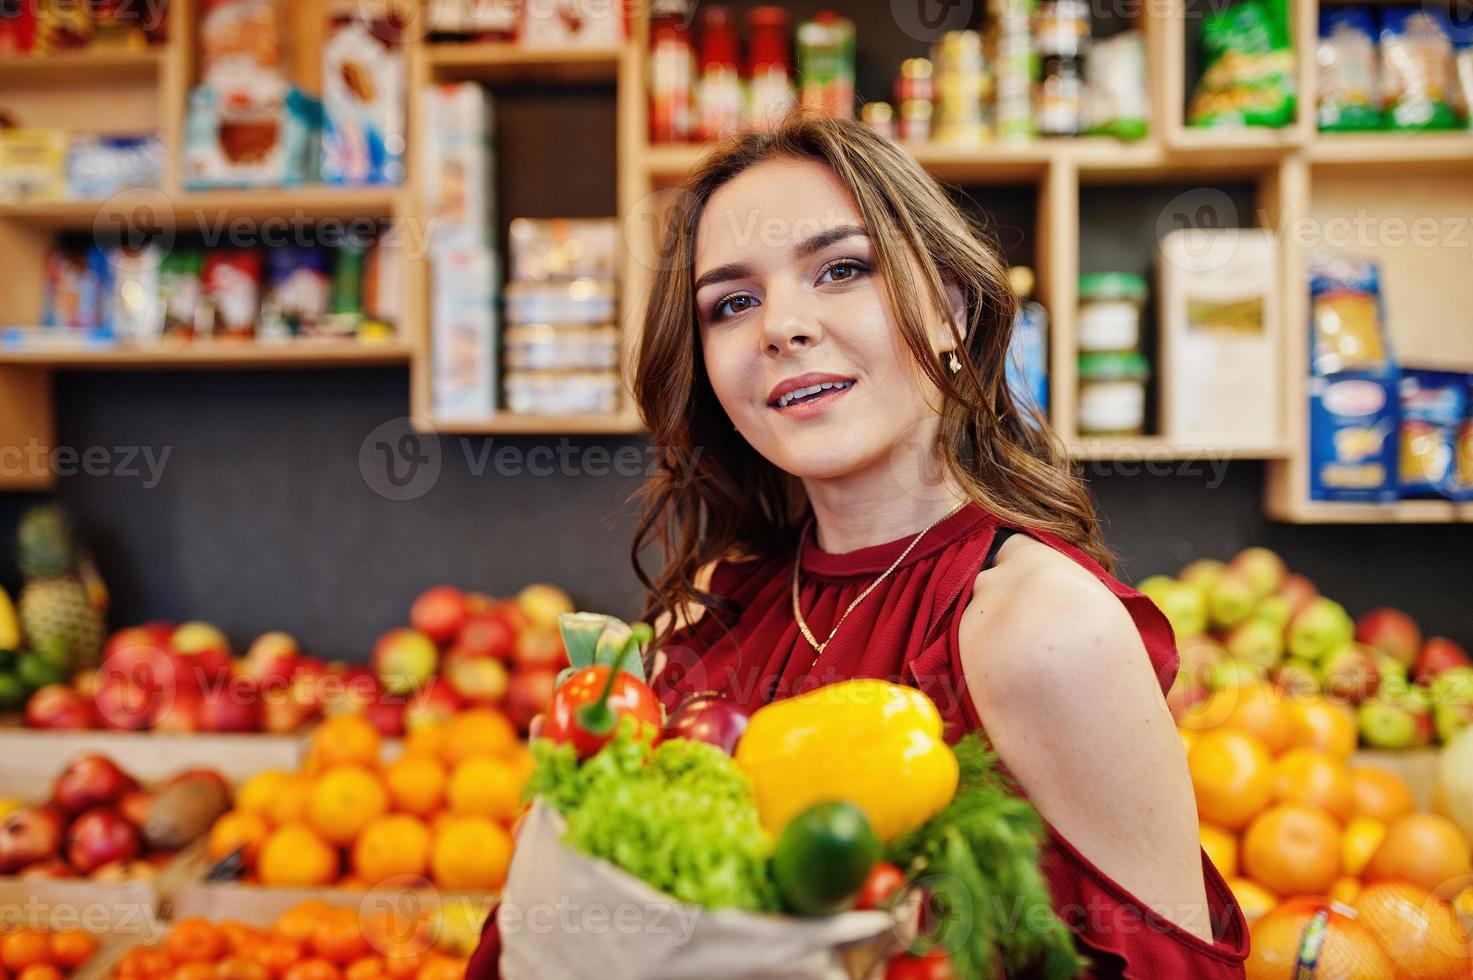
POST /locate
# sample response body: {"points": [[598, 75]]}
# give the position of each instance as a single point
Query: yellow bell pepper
{"points": [[868, 742]]}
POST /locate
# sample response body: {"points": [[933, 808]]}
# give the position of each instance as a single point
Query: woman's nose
{"points": [[788, 326]]}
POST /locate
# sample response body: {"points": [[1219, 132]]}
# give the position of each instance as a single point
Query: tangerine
{"points": [[1426, 849], [240, 968], [23, 948], [344, 740], [1222, 847], [1320, 723], [1261, 711], [364, 968], [290, 803], [416, 783], [478, 733], [1379, 794], [394, 844], [39, 971], [1293, 849], [337, 938], [471, 854], [1232, 775], [313, 968], [298, 922], [294, 855], [1362, 836], [427, 739], [237, 830], [1314, 778], [485, 787], [259, 793], [194, 940], [70, 948], [1253, 898], [1417, 929], [344, 799], [1347, 950]]}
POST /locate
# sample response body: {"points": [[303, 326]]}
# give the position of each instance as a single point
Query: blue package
{"points": [[1353, 437], [1346, 316], [76, 287], [256, 135], [1433, 406], [1026, 366], [99, 166]]}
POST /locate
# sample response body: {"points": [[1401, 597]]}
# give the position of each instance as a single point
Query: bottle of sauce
{"points": [[719, 89], [672, 74], [769, 76]]}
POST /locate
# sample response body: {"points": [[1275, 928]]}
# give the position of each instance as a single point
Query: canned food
{"points": [[562, 392], [544, 346], [581, 302]]}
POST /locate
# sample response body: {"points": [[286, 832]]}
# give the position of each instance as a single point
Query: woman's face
{"points": [[788, 298]]}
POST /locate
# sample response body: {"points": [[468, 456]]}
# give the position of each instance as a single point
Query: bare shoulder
{"points": [[1038, 616]]}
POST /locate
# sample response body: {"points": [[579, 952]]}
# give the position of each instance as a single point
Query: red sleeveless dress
{"points": [[907, 631]]}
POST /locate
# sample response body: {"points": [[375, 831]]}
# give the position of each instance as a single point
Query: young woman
{"points": [[847, 489]]}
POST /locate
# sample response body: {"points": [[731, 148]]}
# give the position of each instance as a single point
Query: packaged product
{"points": [[1463, 453], [181, 292], [256, 132], [240, 36], [232, 292], [486, 20], [1112, 393], [769, 76], [963, 86], [1352, 436], [298, 280], [459, 164], [100, 166], [826, 64], [880, 117], [75, 288], [562, 392], [1249, 76], [544, 249], [17, 27], [548, 347], [1349, 89], [120, 23], [32, 165], [381, 281], [345, 297], [718, 94], [1026, 369], [1110, 311], [363, 97], [1418, 84], [589, 302], [62, 25], [672, 70], [1434, 404], [463, 333], [134, 304], [1220, 336], [1346, 315], [1116, 102], [571, 23], [914, 92], [1461, 33]]}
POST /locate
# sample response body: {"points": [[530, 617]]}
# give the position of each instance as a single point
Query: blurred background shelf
{"points": [[80, 67], [494, 62], [1154, 448], [217, 355], [511, 423], [155, 209]]}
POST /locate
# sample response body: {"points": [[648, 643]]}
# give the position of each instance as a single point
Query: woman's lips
{"points": [[815, 405]]}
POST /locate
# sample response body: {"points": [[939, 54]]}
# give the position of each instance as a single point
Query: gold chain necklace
{"points": [[797, 560]]}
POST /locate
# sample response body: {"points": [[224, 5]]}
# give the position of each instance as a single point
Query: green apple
{"points": [[1451, 717], [1274, 610], [1184, 608], [1257, 642], [1350, 673], [1230, 600], [1318, 629], [1263, 569], [1297, 677], [1454, 686], [1202, 573], [1235, 673], [1385, 725], [1389, 666]]}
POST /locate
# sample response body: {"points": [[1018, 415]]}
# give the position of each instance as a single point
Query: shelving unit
{"points": [[1296, 175], [218, 355]]}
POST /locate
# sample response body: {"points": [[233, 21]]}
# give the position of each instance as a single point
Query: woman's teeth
{"points": [[799, 394]]}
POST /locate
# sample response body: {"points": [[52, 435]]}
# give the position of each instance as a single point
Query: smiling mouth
{"points": [[812, 393]]}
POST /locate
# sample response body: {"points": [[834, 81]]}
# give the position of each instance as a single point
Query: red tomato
{"points": [[629, 696], [935, 965], [883, 882]]}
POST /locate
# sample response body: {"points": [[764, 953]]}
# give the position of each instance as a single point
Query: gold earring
{"points": [[953, 363]]}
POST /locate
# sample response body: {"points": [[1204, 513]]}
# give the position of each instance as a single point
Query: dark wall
{"points": [[263, 518]]}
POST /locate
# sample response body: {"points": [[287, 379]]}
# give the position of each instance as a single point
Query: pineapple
{"points": [[60, 621], [47, 545]]}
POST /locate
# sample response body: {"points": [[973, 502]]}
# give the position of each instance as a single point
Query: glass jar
{"points": [[1112, 393], [1110, 311]]}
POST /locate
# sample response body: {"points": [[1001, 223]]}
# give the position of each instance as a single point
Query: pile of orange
{"points": [[30, 953], [1285, 814], [442, 811], [311, 941]]}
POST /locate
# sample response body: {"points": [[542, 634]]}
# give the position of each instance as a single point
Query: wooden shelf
{"points": [[1153, 448], [90, 66], [1446, 151], [217, 355], [500, 63], [153, 208], [1237, 140], [509, 423], [1400, 512]]}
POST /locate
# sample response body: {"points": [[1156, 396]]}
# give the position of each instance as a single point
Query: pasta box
{"points": [[1353, 436]]}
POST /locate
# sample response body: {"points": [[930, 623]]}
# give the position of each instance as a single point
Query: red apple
{"points": [[348, 691], [480, 680], [387, 717], [433, 702], [487, 634], [89, 781], [28, 835], [233, 706], [404, 660], [1439, 654], [181, 714], [1350, 674], [155, 634], [57, 706], [205, 667], [508, 610], [527, 694], [99, 836], [1390, 631], [135, 805], [134, 685], [1299, 591], [281, 715], [439, 613], [538, 649], [271, 658], [196, 637]]}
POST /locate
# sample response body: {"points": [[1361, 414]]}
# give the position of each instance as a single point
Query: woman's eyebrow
{"points": [[723, 273], [824, 239]]}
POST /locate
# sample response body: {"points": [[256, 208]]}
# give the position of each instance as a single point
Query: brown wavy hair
{"points": [[712, 495]]}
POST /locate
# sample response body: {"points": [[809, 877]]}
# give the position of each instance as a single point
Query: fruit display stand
{"points": [[32, 755], [121, 908]]}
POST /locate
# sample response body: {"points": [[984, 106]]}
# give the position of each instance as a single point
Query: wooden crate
{"points": [[115, 908], [257, 905], [30, 758]]}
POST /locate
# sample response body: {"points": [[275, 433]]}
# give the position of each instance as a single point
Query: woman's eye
{"points": [[842, 271], [740, 303]]}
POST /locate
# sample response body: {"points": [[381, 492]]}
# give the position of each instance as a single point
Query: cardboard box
{"points": [[459, 165], [1353, 437], [463, 334]]}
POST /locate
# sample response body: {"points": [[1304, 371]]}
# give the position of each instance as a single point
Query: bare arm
{"points": [[1062, 682]]}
